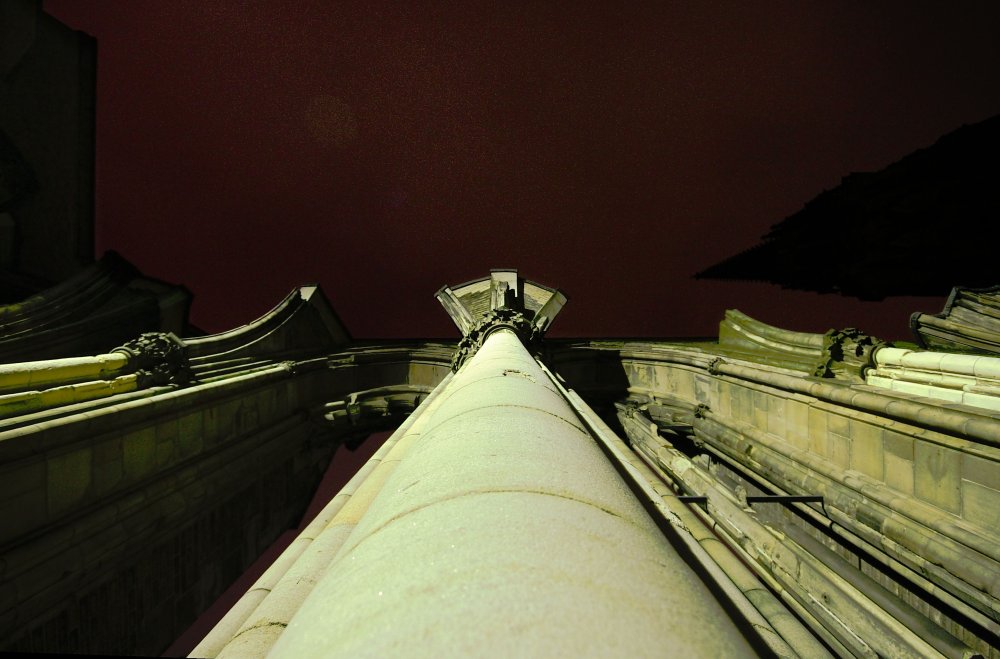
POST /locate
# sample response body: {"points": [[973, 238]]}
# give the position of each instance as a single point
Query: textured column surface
{"points": [[506, 531]]}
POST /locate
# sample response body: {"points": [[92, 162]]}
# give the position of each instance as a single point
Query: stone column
{"points": [[68, 370], [506, 531], [154, 356]]}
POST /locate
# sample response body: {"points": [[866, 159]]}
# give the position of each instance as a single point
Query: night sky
{"points": [[611, 149]]}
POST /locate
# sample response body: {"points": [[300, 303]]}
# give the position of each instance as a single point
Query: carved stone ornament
{"points": [[157, 358], [849, 352], [491, 321]]}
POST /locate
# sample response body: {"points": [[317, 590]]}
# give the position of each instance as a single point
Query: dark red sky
{"points": [[611, 149]]}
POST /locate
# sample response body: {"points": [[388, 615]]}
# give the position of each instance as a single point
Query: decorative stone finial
{"points": [[849, 352]]}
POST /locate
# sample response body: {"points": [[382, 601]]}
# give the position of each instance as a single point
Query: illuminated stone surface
{"points": [[506, 531], [137, 484]]}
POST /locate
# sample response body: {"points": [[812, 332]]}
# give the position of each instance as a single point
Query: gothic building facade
{"points": [[763, 492], [768, 492]]}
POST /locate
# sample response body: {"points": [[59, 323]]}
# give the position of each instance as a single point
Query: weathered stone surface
{"points": [[981, 504], [867, 450], [972, 380], [923, 460], [908, 484], [69, 479], [937, 476], [115, 481], [493, 492]]}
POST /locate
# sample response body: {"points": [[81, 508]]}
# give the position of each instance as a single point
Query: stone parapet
{"points": [[908, 481], [972, 380], [153, 359], [841, 354]]}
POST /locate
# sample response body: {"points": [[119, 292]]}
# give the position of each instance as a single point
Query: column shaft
{"points": [[506, 531]]}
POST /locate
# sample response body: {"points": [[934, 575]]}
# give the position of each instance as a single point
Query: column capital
{"points": [[502, 300], [491, 321]]}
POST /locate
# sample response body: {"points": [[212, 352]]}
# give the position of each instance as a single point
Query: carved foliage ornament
{"points": [[508, 318], [849, 352], [157, 358]]}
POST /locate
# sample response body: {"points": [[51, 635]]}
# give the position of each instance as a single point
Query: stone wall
{"points": [[914, 481], [165, 500], [127, 511]]}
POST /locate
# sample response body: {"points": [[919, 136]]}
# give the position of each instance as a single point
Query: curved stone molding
{"points": [[373, 410], [842, 354], [797, 564], [303, 322], [152, 360], [759, 341], [969, 322], [32, 386]]}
